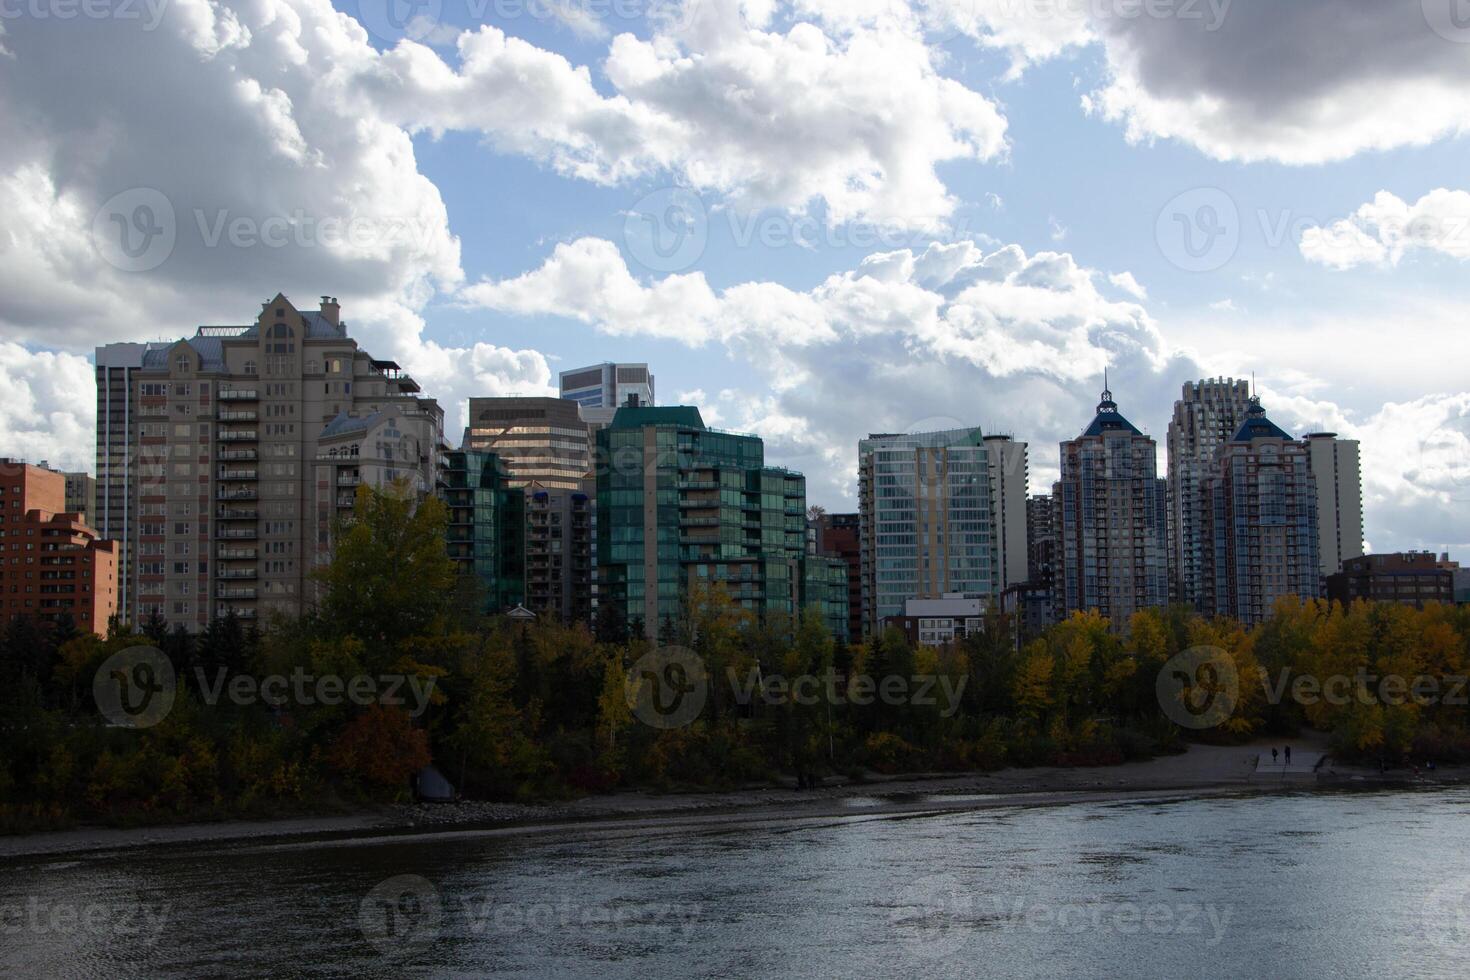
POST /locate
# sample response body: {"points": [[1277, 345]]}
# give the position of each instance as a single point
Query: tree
{"points": [[390, 576]]}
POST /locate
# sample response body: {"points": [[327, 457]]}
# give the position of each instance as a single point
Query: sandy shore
{"points": [[1202, 771]]}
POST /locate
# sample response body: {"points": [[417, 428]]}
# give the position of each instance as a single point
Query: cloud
{"points": [[1129, 285], [1268, 81], [50, 407], [1386, 229]]}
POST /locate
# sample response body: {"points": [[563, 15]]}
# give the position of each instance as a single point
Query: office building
{"points": [[537, 440], [1109, 513], [608, 386], [680, 504], [840, 535], [1206, 416], [1261, 543], [927, 525], [53, 566], [116, 507], [486, 533], [1335, 465], [245, 445], [1411, 578]]}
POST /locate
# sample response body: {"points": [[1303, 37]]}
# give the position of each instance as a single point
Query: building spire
{"points": [[1107, 404]]}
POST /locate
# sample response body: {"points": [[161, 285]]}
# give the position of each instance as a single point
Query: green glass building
{"points": [[824, 587], [679, 503], [486, 532]]}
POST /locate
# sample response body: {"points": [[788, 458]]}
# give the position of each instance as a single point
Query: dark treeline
{"points": [[538, 711]]}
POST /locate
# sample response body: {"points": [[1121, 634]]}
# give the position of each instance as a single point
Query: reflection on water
{"points": [[1279, 886]]}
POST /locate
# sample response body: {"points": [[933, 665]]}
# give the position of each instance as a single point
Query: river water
{"points": [[1280, 886]]}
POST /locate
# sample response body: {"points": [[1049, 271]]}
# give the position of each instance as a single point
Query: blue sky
{"points": [[1031, 173]]}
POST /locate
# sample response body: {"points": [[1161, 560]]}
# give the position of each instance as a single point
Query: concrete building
{"points": [[560, 526], [244, 446], [939, 621], [116, 509], [1261, 542], [486, 534], [1110, 515], [840, 535], [1206, 415], [1411, 578], [1335, 465], [53, 566], [927, 520], [680, 503], [1009, 476]]}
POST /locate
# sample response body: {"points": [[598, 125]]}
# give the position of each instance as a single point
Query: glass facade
{"points": [[486, 533]]}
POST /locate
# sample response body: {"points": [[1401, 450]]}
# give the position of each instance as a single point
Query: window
{"points": [[249, 367]]}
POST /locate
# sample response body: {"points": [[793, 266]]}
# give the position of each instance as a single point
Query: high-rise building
{"points": [[486, 534], [928, 528], [538, 440], [608, 386], [824, 587], [559, 530], [53, 566], [1008, 500], [679, 503], [840, 535], [1109, 514], [1206, 416], [545, 448], [245, 445], [1335, 465], [1262, 539], [117, 447]]}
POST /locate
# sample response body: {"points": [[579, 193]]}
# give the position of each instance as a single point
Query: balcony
{"points": [[238, 395], [346, 502], [348, 480], [236, 593], [238, 435], [237, 514], [241, 612], [236, 573], [237, 533], [236, 554], [237, 416], [246, 494], [233, 455], [239, 475]]}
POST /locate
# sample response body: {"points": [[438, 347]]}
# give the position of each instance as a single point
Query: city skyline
{"points": [[957, 264]]}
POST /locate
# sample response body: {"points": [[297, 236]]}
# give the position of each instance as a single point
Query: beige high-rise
{"points": [[248, 446]]}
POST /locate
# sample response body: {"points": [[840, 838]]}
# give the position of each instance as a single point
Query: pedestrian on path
{"points": [[1274, 755], [1288, 755]]}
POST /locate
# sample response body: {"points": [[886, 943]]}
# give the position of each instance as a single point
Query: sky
{"points": [[814, 219]]}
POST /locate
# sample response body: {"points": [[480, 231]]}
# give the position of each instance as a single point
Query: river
{"points": [[1281, 886]]}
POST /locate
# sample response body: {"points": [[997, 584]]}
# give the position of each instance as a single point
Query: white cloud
{"points": [[50, 407], [1385, 229], [1129, 285]]}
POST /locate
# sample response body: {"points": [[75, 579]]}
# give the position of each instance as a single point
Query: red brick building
{"points": [[838, 534], [51, 562], [1411, 578]]}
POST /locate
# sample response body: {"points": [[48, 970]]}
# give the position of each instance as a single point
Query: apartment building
{"points": [[840, 535], [1261, 543], [1110, 517], [487, 529], [245, 446], [1337, 469], [53, 566], [1411, 578], [679, 503], [1206, 416]]}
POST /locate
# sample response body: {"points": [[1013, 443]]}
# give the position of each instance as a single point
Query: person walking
{"points": [[1288, 755], [1274, 755]]}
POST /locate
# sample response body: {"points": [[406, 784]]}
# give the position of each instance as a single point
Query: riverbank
{"points": [[1202, 771]]}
